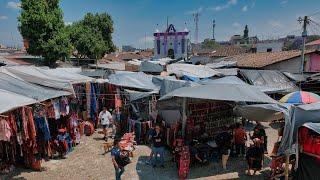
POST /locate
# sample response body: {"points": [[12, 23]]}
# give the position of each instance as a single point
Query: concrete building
{"points": [[171, 43], [269, 46]]}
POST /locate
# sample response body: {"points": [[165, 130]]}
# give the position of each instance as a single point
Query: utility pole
{"points": [[167, 22], [305, 21], [213, 26], [196, 32]]}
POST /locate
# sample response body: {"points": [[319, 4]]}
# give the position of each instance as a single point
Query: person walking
{"points": [[116, 159], [240, 137], [158, 147], [105, 119]]}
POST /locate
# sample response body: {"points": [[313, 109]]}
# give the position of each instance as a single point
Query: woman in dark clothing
{"points": [[254, 156]]}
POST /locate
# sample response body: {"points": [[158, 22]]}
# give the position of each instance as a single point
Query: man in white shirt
{"points": [[105, 119]]}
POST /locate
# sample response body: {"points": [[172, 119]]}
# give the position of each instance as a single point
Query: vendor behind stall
{"points": [[223, 141]]}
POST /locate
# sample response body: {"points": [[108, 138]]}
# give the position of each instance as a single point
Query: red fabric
{"points": [[239, 136], [316, 146], [308, 145], [32, 127], [25, 124], [303, 134]]}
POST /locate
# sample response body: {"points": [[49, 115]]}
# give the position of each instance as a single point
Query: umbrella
{"points": [[300, 97]]}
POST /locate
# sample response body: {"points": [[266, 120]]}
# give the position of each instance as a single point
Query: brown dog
{"points": [[107, 146]]}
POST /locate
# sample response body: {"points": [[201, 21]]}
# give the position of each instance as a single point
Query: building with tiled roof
{"points": [[289, 61], [313, 44]]}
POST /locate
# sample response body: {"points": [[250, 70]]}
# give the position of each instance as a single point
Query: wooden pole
{"points": [[286, 170], [184, 116]]}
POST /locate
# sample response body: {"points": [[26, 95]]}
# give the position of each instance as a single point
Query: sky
{"points": [[135, 21]]}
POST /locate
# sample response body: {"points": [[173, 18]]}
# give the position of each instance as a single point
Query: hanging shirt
{"points": [[5, 130], [105, 117]]}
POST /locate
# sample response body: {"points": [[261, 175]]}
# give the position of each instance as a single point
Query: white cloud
{"points": [[199, 10], [244, 8], [284, 2], [236, 24], [224, 6], [13, 5], [275, 24], [3, 17]]}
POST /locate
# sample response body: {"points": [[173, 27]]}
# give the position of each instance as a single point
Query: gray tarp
{"points": [[229, 71], [296, 77], [10, 101], [313, 126], [269, 81], [169, 85], [66, 74], [222, 64], [260, 112], [147, 66], [136, 95], [197, 71], [224, 80], [223, 92], [24, 88], [34, 75], [137, 80]]}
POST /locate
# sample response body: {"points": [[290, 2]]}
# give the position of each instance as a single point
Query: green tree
{"points": [[41, 23], [209, 44], [92, 36]]}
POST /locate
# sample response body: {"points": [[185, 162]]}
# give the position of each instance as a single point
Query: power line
{"points": [[315, 13]]}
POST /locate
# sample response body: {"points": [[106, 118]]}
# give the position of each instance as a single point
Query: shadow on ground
{"points": [[236, 169]]}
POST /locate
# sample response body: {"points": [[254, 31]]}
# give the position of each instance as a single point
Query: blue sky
{"points": [[136, 19]]}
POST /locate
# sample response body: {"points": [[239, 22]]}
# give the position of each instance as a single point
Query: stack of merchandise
{"points": [[184, 162]]}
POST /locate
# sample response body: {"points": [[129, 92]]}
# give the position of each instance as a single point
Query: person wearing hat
{"points": [[105, 119]]}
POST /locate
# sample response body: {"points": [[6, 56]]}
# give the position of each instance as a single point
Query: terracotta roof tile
{"points": [[316, 42], [258, 60]]}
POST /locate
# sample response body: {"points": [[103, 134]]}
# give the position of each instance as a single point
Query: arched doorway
{"points": [[171, 53]]}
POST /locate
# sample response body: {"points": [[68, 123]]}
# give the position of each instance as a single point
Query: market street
{"points": [[88, 162]]}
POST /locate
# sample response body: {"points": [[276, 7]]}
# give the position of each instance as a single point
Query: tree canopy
{"points": [[209, 44], [92, 36], [41, 25]]}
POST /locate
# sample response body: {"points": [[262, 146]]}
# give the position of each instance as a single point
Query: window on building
{"points": [[269, 50], [158, 46], [183, 41]]}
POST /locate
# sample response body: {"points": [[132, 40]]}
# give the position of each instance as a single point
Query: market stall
{"points": [[207, 110]]}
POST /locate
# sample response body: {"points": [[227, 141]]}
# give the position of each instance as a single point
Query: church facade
{"points": [[171, 43]]}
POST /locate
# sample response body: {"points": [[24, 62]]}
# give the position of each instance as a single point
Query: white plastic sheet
{"points": [[10, 101]]}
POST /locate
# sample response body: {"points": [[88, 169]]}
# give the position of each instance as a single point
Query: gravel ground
{"points": [[87, 161]]}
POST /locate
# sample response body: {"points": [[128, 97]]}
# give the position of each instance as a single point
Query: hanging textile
{"points": [[88, 96], [5, 130], [93, 103]]}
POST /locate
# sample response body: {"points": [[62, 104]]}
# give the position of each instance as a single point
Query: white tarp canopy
{"points": [[19, 86], [197, 71], [138, 80], [35, 75], [222, 92], [10, 101], [66, 74]]}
